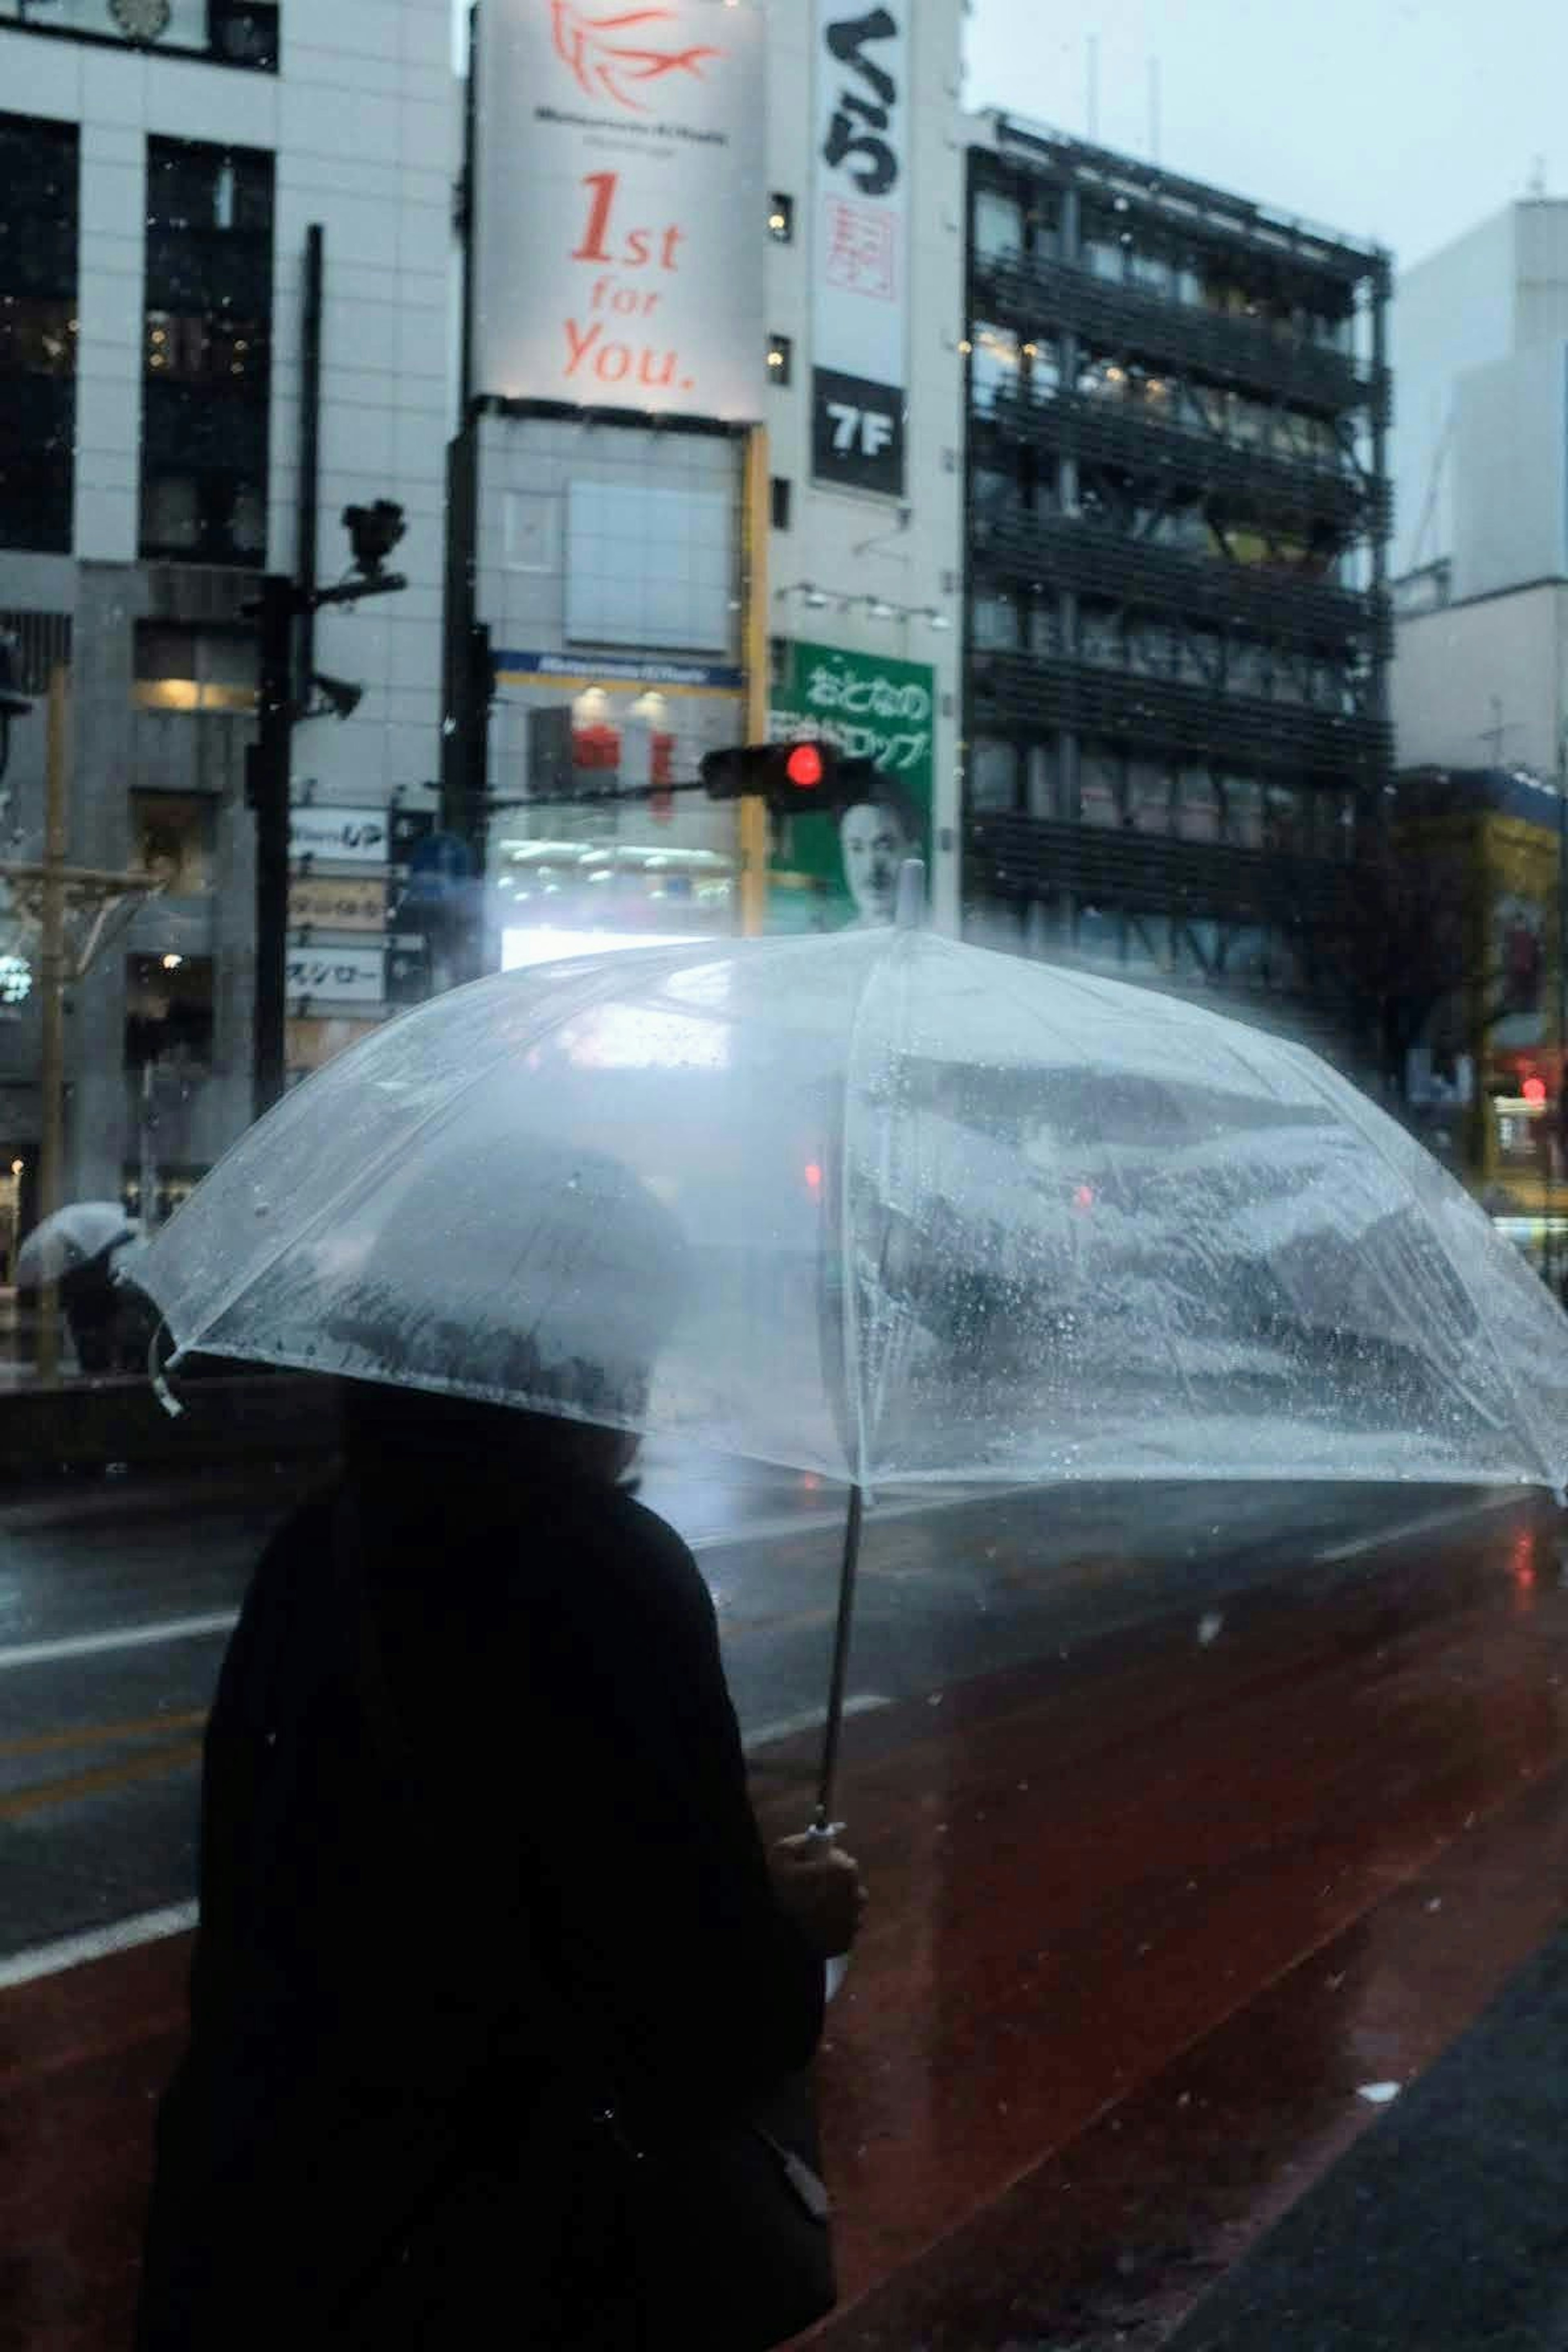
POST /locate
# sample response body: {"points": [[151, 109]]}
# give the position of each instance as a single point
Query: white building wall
{"points": [[1453, 311], [856, 544], [1483, 685], [1508, 447]]}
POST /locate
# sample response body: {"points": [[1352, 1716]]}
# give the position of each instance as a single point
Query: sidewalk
{"points": [[1446, 2226]]}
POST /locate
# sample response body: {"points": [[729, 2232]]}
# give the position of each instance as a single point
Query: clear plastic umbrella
{"points": [[71, 1239], [887, 1207]]}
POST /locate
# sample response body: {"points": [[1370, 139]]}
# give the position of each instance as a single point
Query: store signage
{"points": [[338, 975], [860, 244], [337, 903], [619, 205], [340, 836]]}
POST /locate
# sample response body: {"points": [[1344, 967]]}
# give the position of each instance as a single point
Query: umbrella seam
{"points": [[1356, 1112]]}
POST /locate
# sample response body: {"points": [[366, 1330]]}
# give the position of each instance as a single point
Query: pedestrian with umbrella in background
{"points": [[75, 1251]]}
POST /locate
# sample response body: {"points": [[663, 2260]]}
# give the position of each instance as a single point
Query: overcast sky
{"points": [[1403, 121]]}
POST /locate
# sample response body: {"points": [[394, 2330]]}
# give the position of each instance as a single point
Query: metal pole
{"points": [[309, 442], [754, 823], [52, 977], [271, 759], [848, 1573]]}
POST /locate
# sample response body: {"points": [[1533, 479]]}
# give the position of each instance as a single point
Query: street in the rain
{"points": [[1192, 1817]]}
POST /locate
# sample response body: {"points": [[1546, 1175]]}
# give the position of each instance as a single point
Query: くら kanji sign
{"points": [[860, 257], [619, 204]]}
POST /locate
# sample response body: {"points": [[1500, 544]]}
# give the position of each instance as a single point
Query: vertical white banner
{"points": [[619, 200], [861, 257]]}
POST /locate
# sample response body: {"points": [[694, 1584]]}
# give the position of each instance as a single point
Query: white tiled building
{"points": [[194, 161]]}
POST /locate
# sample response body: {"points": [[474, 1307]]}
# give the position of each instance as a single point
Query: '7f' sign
{"points": [[860, 136], [860, 432]]}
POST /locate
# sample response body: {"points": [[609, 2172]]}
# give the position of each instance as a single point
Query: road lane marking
{"points": [[1430, 1524], [104, 1735], [811, 1719], [99, 1781], [121, 1637], [96, 1944]]}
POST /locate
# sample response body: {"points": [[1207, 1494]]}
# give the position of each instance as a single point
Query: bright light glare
{"points": [[521, 949]]}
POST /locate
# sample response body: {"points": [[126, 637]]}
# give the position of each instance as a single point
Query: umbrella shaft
{"points": [[840, 1657]]}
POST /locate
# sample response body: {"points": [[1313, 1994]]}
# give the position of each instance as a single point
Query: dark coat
{"points": [[382, 1980]]}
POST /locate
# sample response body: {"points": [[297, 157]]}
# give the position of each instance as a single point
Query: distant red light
{"points": [[1534, 1090], [813, 1177], [1083, 1198], [803, 766]]}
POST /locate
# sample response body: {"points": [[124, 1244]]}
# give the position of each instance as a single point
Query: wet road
{"points": [[1187, 1815]]}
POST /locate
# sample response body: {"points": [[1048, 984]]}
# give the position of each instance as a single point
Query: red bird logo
{"points": [[603, 63]]}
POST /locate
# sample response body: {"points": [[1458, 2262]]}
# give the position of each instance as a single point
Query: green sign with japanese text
{"points": [[826, 871]]}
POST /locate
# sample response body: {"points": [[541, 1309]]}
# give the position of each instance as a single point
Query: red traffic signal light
{"points": [[784, 773]]}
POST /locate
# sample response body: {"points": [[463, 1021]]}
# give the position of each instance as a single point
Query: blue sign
{"points": [[438, 868]]}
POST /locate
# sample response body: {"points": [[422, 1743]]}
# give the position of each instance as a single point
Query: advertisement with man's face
{"points": [[832, 871]]}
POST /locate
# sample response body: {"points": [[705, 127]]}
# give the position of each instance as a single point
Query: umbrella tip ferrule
{"points": [[909, 908]]}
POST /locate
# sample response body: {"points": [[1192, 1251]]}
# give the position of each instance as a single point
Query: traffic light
{"points": [[794, 778]]}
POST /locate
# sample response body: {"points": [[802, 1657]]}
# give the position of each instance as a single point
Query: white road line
{"points": [[222, 1621], [121, 1637], [97, 1943], [178, 1918], [1430, 1524], [811, 1719]]}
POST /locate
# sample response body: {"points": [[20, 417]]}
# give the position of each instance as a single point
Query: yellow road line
{"points": [[105, 1735], [100, 1780]]}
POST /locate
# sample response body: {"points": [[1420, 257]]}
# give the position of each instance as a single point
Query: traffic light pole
{"points": [[269, 765]]}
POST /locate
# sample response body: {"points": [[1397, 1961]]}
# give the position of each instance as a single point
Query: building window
{"points": [[996, 625], [169, 1011], [38, 173], [780, 218], [194, 669], [779, 498], [173, 837], [998, 227], [993, 365], [781, 358], [994, 773], [206, 353]]}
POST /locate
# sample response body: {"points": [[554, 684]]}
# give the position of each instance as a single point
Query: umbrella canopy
{"points": [[887, 1207], [71, 1239]]}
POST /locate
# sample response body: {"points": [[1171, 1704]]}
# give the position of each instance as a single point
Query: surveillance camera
{"points": [[374, 531], [342, 697]]}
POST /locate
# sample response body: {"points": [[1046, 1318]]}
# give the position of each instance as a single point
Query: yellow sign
{"points": [[319, 904]]}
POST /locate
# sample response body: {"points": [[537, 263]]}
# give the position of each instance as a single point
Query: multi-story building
{"points": [[1479, 336], [161, 166], [1177, 510]]}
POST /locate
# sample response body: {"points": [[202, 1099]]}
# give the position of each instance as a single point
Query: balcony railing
{"points": [[1099, 563], [1043, 294], [1107, 431], [1013, 855], [1042, 691]]}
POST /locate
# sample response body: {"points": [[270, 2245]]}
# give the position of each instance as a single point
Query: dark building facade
{"points": [[1178, 631]]}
